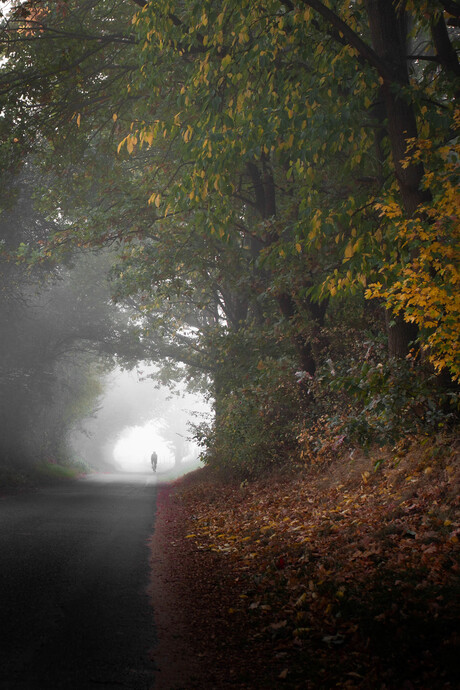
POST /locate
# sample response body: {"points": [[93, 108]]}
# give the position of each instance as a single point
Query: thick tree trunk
{"points": [[444, 49], [389, 33], [400, 335], [265, 197], [303, 347]]}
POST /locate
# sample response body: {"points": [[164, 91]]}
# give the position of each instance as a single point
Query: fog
{"points": [[135, 417], [60, 336]]}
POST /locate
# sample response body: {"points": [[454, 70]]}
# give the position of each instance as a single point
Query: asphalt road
{"points": [[74, 611]]}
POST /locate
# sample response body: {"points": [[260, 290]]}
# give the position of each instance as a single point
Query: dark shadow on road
{"points": [[74, 573]]}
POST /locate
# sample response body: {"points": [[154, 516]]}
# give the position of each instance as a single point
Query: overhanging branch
{"points": [[352, 38]]}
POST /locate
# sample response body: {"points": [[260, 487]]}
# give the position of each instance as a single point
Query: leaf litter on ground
{"points": [[339, 576]]}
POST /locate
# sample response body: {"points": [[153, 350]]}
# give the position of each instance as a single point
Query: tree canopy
{"points": [[280, 180]]}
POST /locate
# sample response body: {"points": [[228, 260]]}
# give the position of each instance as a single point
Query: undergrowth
{"points": [[42, 473]]}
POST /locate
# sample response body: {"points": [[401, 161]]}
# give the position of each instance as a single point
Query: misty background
{"points": [[75, 387], [136, 417]]}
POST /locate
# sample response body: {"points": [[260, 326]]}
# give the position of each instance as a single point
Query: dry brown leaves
{"points": [[338, 579]]}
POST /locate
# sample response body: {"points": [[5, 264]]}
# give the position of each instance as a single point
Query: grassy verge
{"points": [[47, 472], [14, 478]]}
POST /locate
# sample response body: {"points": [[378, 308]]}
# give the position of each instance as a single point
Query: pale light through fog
{"points": [[132, 452]]}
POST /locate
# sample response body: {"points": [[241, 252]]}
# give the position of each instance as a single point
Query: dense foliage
{"points": [[280, 181]]}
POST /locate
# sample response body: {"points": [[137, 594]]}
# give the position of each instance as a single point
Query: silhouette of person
{"points": [[154, 460]]}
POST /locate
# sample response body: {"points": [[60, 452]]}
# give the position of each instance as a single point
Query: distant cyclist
{"points": [[154, 460]]}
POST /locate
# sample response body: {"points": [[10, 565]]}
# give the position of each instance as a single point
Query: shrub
{"points": [[256, 427], [390, 399]]}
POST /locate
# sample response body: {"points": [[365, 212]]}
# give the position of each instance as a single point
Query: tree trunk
{"points": [[389, 34], [400, 335], [303, 347], [444, 49], [265, 198]]}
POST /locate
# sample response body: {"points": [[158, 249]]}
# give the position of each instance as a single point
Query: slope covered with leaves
{"points": [[340, 576]]}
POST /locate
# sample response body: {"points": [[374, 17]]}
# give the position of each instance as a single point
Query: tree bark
{"points": [[389, 39], [389, 34], [400, 335], [444, 49], [303, 347], [265, 198]]}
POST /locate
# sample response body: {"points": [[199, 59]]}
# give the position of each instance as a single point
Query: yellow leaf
{"points": [[188, 134], [149, 138], [121, 144], [226, 61], [349, 251], [114, 117], [298, 246], [301, 600], [78, 119]]}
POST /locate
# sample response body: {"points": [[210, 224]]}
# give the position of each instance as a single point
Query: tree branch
{"points": [[444, 48], [352, 38], [452, 7]]}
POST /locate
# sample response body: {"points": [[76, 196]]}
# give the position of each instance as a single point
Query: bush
{"points": [[390, 399], [257, 424], [53, 472]]}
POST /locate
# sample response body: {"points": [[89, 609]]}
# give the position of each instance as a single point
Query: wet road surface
{"points": [[74, 612]]}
